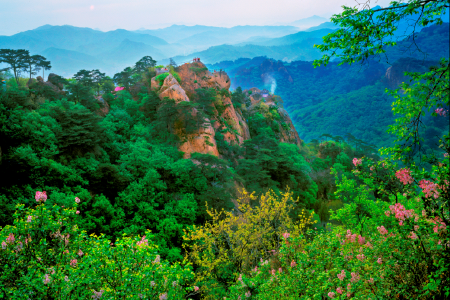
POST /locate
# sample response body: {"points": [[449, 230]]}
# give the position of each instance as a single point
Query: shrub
{"points": [[45, 256]]}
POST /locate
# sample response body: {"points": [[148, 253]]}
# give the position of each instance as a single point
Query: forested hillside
{"points": [[345, 99]]}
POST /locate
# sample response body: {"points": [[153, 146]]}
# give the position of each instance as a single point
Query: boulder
{"points": [[202, 141], [174, 92]]}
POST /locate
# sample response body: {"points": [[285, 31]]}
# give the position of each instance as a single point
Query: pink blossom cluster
{"points": [[73, 263], [331, 295], [293, 264], [286, 235], [143, 241], [429, 188], [382, 230], [80, 253], [339, 290], [379, 260], [404, 175], [400, 212], [413, 236], [248, 294], [440, 111], [41, 196], [360, 257], [77, 200], [341, 275], [357, 161], [355, 277], [46, 279], [10, 239], [439, 224]]}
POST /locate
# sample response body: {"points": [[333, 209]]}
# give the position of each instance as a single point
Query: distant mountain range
{"points": [[72, 48]]}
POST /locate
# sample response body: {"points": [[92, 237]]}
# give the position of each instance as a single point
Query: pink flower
{"points": [[349, 295], [73, 263], [41, 196], [349, 287], [280, 270], [248, 294], [379, 260], [416, 227], [357, 162], [286, 235], [400, 212], [370, 280], [361, 240], [339, 290], [4, 245], [341, 275], [80, 253], [163, 296], [273, 271], [195, 288], [240, 277], [293, 264], [429, 188], [413, 236], [119, 88], [143, 241], [78, 212], [440, 111], [46, 279], [10, 239], [331, 295], [97, 295], [355, 277], [404, 175], [382, 230], [29, 218], [77, 200], [360, 257]]}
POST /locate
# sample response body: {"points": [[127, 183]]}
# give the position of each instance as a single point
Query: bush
{"points": [[45, 256]]}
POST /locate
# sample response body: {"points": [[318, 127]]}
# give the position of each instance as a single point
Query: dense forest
{"points": [[161, 183]]}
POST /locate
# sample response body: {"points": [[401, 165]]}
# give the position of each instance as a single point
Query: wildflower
{"points": [[73, 263], [29, 218], [341, 275], [349, 287], [46, 279], [382, 230], [80, 253], [379, 260], [280, 270], [440, 111], [163, 296], [77, 200], [174, 283], [355, 277], [404, 175], [240, 277], [331, 295], [357, 162], [143, 241], [293, 264], [361, 240], [3, 245], [66, 278], [10, 239], [429, 188], [196, 288], [97, 295], [416, 227], [360, 257], [248, 294], [41, 196], [152, 283], [370, 280], [400, 212], [286, 235], [339, 290], [78, 212]]}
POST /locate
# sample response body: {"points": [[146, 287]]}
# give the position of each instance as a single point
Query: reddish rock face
{"points": [[226, 119]]}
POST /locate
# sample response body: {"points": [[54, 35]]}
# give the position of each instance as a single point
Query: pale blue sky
{"points": [[21, 15]]}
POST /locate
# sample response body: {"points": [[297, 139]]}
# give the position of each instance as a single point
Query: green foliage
{"points": [[46, 255]]}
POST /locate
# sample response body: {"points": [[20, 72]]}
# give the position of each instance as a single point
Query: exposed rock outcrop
{"points": [[226, 124]]}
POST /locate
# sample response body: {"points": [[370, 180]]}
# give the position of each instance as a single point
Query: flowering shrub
{"points": [[45, 256]]}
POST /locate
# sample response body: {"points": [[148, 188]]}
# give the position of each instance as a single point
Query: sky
{"points": [[105, 15]]}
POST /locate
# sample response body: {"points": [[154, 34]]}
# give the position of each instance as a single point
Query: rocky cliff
{"points": [[219, 123]]}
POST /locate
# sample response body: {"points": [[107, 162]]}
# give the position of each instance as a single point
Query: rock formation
{"points": [[227, 122]]}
